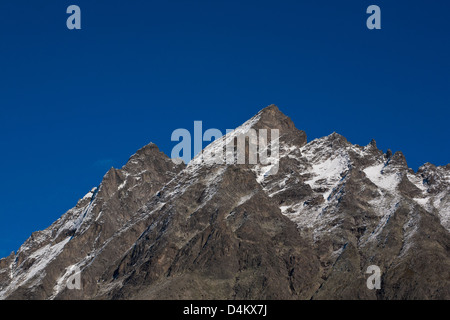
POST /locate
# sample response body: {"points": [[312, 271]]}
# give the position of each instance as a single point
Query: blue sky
{"points": [[73, 103]]}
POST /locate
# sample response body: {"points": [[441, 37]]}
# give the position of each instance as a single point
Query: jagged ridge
{"points": [[154, 229]]}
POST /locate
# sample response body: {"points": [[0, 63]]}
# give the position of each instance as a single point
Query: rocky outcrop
{"points": [[157, 230]]}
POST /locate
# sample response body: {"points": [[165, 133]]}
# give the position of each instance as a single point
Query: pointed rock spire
{"points": [[272, 118]]}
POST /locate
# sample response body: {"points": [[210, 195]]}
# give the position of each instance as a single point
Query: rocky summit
{"points": [[159, 230]]}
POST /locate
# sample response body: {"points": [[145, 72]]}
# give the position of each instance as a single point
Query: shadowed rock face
{"points": [[156, 230]]}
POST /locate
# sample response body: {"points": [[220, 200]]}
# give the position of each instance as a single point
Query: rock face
{"points": [[157, 230]]}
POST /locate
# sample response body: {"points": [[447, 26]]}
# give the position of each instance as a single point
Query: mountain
{"points": [[155, 229]]}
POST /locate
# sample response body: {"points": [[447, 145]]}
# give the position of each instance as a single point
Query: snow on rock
{"points": [[209, 154], [321, 169], [39, 260], [244, 199], [442, 203], [383, 180], [122, 185], [90, 194], [328, 173]]}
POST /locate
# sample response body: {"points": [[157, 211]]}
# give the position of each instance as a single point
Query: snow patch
{"points": [[328, 174], [122, 185], [39, 259], [385, 181]]}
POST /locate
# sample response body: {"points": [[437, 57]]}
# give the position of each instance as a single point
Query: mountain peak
{"points": [[271, 109], [271, 117], [146, 150], [335, 140], [336, 136], [373, 144], [398, 159], [146, 158]]}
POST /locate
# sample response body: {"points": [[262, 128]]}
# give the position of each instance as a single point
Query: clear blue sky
{"points": [[74, 103]]}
